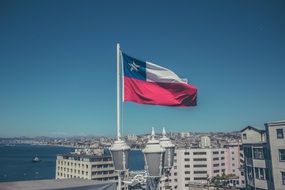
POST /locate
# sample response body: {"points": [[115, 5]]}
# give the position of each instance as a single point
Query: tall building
{"points": [[95, 167], [264, 156]]}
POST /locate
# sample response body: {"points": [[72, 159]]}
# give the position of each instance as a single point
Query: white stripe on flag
{"points": [[155, 73]]}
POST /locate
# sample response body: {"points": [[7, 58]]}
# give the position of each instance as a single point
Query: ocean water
{"points": [[16, 162]]}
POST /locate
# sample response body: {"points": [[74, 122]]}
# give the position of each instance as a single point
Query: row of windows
{"points": [[262, 153], [102, 172], [195, 159], [71, 164], [205, 165], [70, 176], [258, 173], [196, 153], [70, 170], [196, 172], [102, 166], [259, 153]]}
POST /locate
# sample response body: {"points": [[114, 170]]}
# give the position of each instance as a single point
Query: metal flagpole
{"points": [[118, 106], [118, 93]]}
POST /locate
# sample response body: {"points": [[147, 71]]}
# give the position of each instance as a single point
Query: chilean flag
{"points": [[147, 83]]}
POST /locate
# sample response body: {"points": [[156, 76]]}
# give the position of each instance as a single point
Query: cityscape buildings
{"points": [[200, 165], [85, 166], [264, 156]]}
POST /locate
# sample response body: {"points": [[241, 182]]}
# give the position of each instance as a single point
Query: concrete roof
{"points": [[62, 184], [252, 128]]}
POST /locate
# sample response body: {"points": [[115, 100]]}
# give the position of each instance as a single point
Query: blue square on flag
{"points": [[134, 68]]}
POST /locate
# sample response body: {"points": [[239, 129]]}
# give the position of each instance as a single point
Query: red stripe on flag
{"points": [[164, 94]]}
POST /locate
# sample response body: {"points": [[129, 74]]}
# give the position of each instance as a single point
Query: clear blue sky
{"points": [[58, 69]]}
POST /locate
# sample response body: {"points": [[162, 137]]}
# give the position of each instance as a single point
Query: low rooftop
{"points": [[62, 184]]}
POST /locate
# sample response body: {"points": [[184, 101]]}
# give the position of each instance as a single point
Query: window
{"points": [[187, 166], [216, 171], [215, 152], [281, 154], [222, 164], [247, 152], [216, 158], [200, 172], [216, 165], [186, 153], [200, 165], [187, 172], [279, 133], [244, 136], [258, 153], [199, 159], [200, 178], [249, 173], [199, 153], [260, 173], [187, 159], [283, 177], [187, 178]]}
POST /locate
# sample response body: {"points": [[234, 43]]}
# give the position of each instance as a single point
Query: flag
{"points": [[148, 83]]}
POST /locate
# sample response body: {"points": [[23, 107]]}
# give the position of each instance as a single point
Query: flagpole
{"points": [[118, 93]]}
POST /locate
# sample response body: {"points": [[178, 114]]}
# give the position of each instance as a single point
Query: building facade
{"points": [[264, 156], [95, 167], [200, 165]]}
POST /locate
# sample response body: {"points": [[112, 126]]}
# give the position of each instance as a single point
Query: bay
{"points": [[16, 161]]}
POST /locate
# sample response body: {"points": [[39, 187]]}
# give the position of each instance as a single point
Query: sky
{"points": [[58, 64]]}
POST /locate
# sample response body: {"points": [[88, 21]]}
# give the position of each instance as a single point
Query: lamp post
{"points": [[154, 159], [120, 151], [169, 147]]}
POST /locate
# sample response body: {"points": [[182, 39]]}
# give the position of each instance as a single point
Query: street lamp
{"points": [[169, 147], [154, 159], [120, 151]]}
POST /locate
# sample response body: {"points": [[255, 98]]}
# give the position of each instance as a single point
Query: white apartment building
{"points": [[199, 165], [95, 167], [264, 156]]}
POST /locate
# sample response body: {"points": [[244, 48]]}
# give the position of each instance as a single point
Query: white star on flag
{"points": [[134, 66]]}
